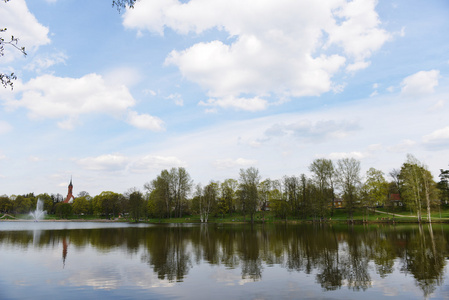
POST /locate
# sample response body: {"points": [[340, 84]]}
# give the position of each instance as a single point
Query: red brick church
{"points": [[69, 193]]}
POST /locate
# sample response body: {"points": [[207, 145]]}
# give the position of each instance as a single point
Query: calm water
{"points": [[70, 260]]}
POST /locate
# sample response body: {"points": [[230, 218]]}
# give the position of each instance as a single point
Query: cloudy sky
{"points": [[218, 85]]}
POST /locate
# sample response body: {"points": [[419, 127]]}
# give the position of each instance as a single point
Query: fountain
{"points": [[39, 213]]}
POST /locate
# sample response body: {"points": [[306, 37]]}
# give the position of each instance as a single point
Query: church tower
{"points": [[69, 193]]}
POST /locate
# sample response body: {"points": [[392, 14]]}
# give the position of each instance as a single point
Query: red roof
{"points": [[395, 197]]}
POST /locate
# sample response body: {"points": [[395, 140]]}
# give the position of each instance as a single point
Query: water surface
{"points": [[87, 260]]}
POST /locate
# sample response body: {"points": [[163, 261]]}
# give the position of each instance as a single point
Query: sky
{"points": [[110, 99]]}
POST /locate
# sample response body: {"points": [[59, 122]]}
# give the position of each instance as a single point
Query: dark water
{"points": [[57, 260]]}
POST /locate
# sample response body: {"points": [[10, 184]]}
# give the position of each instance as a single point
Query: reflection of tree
{"points": [[424, 260], [331, 275], [167, 252], [384, 255], [337, 255], [248, 249]]}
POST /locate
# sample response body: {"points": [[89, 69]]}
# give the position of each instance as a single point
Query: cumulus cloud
{"points": [[420, 83], [439, 139], [24, 25], [65, 98], [145, 121], [295, 51], [230, 163]]}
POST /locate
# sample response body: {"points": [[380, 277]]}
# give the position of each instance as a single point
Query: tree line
{"points": [[331, 185]]}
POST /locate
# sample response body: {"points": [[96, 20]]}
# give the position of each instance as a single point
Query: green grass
{"points": [[383, 215]]}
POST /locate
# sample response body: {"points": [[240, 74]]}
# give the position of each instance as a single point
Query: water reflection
{"points": [[336, 256]]}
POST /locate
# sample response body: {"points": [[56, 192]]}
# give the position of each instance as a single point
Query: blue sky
{"points": [[215, 86]]}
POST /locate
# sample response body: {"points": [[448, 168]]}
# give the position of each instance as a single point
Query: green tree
{"points": [[161, 191], [22, 205], [204, 200], [228, 193], [136, 205], [418, 187], [63, 210], [222, 207], [81, 205], [348, 179], [443, 186], [106, 203], [376, 187], [249, 196], [291, 193], [278, 205], [180, 185], [323, 171], [6, 205], [264, 195]]}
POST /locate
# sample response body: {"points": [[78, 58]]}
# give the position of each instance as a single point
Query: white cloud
{"points": [[5, 127], [107, 162], [229, 163], [33, 158], [44, 62], [248, 104], [123, 76], [313, 131], [139, 164], [295, 51], [177, 98], [340, 155], [54, 97], [22, 24], [403, 146], [420, 83], [439, 139], [145, 121], [155, 162]]}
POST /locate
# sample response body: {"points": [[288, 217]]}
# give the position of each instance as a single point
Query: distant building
{"points": [[338, 203], [394, 200], [69, 193]]}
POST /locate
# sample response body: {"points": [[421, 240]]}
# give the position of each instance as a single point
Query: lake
{"points": [[88, 260]]}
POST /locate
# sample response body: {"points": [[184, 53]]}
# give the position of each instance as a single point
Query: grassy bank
{"points": [[379, 215]]}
